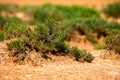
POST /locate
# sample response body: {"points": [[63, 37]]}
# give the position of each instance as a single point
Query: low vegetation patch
{"points": [[49, 36], [46, 38], [99, 46], [59, 13], [12, 31], [94, 28], [9, 8], [112, 10], [113, 43], [81, 55], [9, 20]]}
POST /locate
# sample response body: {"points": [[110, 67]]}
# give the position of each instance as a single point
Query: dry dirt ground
{"points": [[62, 67]]}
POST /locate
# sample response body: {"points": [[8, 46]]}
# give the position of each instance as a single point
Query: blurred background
{"points": [[91, 3], [91, 18]]}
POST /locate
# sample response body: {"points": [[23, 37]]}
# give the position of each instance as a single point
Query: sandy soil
{"points": [[62, 68]]}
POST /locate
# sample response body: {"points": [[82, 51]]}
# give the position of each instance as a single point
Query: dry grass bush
{"points": [[113, 43], [111, 55]]}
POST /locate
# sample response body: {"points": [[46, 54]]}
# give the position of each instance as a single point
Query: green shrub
{"points": [[12, 31], [93, 29], [45, 38], [9, 20], [7, 25], [81, 55], [87, 27], [1, 36], [113, 43], [112, 40], [116, 43], [77, 53], [113, 26], [88, 57], [99, 46], [9, 8], [60, 13], [18, 50], [29, 9], [13, 19], [2, 21], [42, 31], [51, 35], [16, 45], [112, 10]]}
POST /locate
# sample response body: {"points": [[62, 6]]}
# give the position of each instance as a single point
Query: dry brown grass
{"points": [[111, 55]]}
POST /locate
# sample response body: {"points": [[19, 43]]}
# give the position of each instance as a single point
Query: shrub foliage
{"points": [[45, 38], [60, 13], [112, 10]]}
